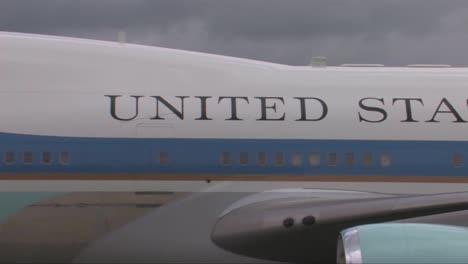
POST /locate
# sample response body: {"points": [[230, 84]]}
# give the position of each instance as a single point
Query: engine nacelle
{"points": [[403, 243]]}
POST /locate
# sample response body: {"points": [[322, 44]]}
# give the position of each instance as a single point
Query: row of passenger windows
{"points": [[27, 157], [315, 159], [298, 159], [227, 158]]}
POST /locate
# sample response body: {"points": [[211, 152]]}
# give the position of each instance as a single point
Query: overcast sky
{"points": [[392, 32]]}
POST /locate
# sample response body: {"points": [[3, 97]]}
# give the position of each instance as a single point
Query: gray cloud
{"points": [[394, 32], [323, 18]]}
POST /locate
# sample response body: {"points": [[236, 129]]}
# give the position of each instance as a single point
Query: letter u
{"points": [[113, 106]]}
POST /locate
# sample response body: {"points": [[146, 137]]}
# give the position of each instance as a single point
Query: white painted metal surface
{"points": [[84, 71]]}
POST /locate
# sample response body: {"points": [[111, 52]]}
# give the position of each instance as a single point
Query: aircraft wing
{"points": [[306, 230]]}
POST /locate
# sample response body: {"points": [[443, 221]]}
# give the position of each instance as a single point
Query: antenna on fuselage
{"points": [[318, 62], [122, 37]]}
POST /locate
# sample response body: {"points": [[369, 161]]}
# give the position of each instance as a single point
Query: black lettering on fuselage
{"points": [[408, 107], [233, 101], [303, 106], [203, 107], [451, 110], [177, 112], [113, 107], [264, 107], [372, 109]]}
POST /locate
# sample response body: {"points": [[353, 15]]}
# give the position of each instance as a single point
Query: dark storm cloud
{"points": [[302, 19], [394, 32], [62, 15]]}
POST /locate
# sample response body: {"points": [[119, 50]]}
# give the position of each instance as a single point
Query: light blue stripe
{"points": [[105, 155]]}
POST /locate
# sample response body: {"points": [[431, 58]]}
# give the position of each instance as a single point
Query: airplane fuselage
{"points": [[91, 110], [81, 116]]}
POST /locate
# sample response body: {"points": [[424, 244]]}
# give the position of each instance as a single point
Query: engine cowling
{"points": [[403, 243]]}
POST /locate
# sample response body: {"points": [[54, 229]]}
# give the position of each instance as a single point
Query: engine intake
{"points": [[403, 243]]}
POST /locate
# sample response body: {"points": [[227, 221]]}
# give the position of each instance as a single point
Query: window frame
{"points": [[368, 159], [297, 159], [65, 157], [43, 157], [315, 159], [262, 158], [6, 156], [280, 158], [332, 159], [244, 158], [226, 158]]}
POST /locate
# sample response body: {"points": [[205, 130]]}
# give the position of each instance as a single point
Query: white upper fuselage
{"points": [[59, 86]]}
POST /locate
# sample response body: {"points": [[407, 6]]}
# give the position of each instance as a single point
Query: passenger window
{"points": [[297, 159], [244, 158], [46, 157], [262, 158], [367, 159], [28, 157], [314, 159], [457, 160], [10, 157], [279, 158], [163, 158], [332, 159], [226, 158], [385, 160], [350, 159], [64, 157]]}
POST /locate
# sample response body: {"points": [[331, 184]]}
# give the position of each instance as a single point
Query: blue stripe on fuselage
{"points": [[135, 155]]}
